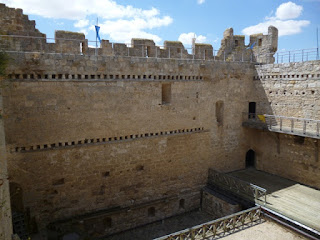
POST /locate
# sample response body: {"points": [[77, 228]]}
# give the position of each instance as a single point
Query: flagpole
{"points": [[96, 39]]}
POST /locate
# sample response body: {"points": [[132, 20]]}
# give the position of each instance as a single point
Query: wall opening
{"points": [[81, 48], [252, 110], [148, 51], [236, 43], [151, 212], [16, 197], [166, 93], [107, 222], [181, 203], [260, 42], [219, 112], [250, 158]]}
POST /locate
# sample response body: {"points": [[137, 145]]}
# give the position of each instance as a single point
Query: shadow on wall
{"points": [[253, 122]]}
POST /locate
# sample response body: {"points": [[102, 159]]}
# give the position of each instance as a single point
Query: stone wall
{"points": [[288, 156], [292, 90], [260, 49], [218, 205], [86, 135], [5, 209], [18, 33], [112, 137]]}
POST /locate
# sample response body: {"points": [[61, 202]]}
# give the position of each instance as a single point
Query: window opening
{"points": [[219, 112], [252, 110], [166, 93]]}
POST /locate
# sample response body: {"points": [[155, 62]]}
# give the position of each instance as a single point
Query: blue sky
{"points": [[161, 20]]}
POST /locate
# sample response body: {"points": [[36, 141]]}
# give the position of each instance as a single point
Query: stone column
{"points": [[5, 208]]}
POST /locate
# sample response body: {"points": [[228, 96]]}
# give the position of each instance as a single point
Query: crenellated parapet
{"points": [[19, 34], [260, 49], [265, 46]]}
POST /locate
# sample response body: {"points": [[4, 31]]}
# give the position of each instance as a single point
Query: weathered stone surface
{"points": [[114, 142], [217, 205]]}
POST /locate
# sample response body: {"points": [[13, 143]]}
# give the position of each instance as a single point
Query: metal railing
{"points": [[219, 227], [301, 55], [292, 125], [236, 186]]}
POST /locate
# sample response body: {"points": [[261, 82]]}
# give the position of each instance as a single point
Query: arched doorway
{"points": [[250, 158]]}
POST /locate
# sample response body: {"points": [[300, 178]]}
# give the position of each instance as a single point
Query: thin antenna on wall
{"points": [[317, 44]]}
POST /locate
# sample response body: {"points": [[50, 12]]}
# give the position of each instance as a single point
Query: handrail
{"points": [[293, 125], [300, 55], [295, 118], [239, 187], [305, 127], [217, 227]]}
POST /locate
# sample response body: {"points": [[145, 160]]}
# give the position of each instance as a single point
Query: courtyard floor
{"points": [[289, 198]]}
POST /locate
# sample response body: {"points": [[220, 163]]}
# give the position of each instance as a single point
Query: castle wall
{"points": [[292, 90], [218, 205], [288, 156], [120, 141], [89, 134], [5, 209]]}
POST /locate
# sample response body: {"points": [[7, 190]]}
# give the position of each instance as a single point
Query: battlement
{"points": [[14, 22], [18, 33], [261, 47]]}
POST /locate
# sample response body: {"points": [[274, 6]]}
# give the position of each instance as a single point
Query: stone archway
{"points": [[250, 158]]}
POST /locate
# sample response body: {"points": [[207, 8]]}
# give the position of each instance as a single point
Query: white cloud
{"points": [[288, 10], [186, 38], [123, 30], [84, 31], [120, 22], [201, 1], [283, 20], [288, 27], [81, 23], [79, 9]]}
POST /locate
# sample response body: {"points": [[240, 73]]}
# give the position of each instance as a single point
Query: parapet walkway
{"points": [[288, 198]]}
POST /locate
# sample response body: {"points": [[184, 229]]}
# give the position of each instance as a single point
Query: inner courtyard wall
{"points": [[292, 89], [289, 90], [110, 137], [288, 156], [106, 141]]}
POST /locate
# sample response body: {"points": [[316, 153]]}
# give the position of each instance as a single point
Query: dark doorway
{"points": [[252, 110], [16, 197], [250, 159]]}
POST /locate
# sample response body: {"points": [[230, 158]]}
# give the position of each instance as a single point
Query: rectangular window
{"points": [[166, 93]]}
